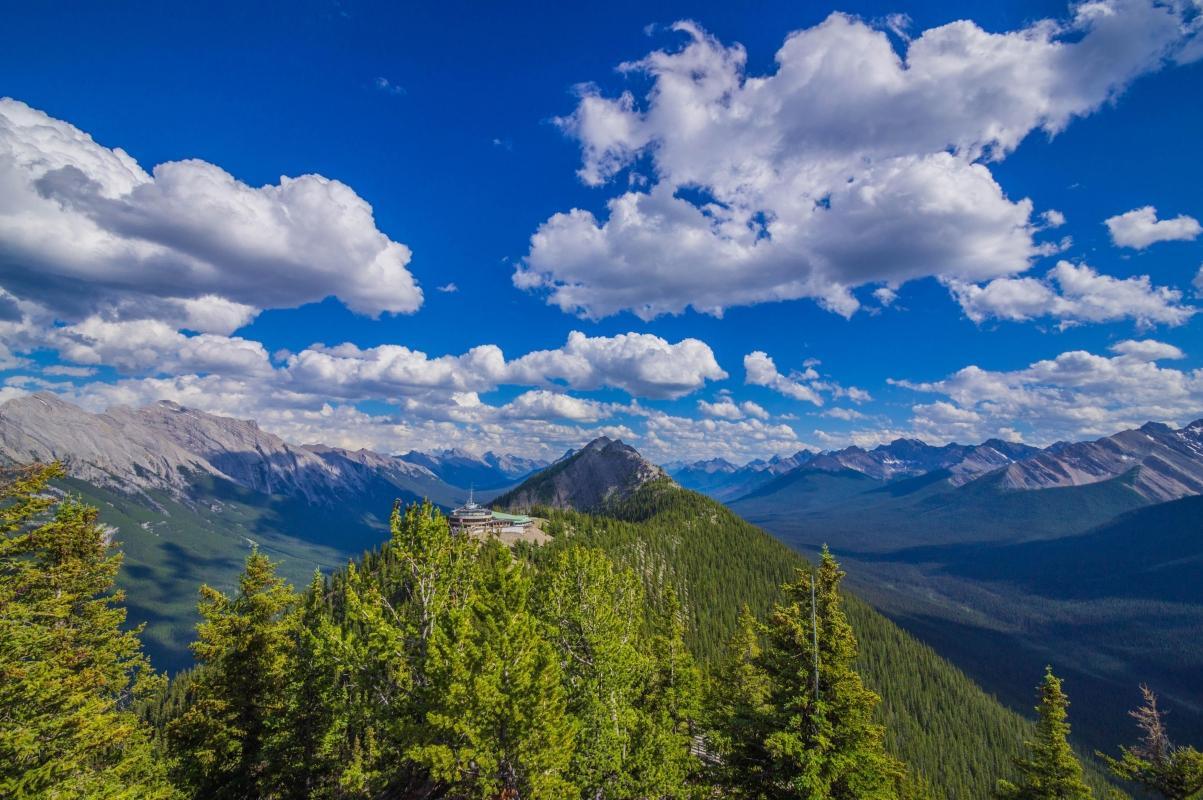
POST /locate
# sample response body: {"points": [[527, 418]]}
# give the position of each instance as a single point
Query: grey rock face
{"points": [[1166, 464], [603, 471], [167, 447]]}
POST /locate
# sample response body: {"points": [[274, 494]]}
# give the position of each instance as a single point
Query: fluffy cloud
{"points": [[806, 385], [1140, 228], [761, 370], [307, 418], [152, 346], [1073, 294], [641, 364], [1074, 395], [669, 437], [83, 228], [726, 408], [849, 164], [845, 414]]}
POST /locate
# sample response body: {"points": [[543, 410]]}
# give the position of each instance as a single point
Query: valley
{"points": [[1096, 570], [1094, 577]]}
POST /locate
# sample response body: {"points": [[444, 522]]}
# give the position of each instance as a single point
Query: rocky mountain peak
{"points": [[602, 472]]}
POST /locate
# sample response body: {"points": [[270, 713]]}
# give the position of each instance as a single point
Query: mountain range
{"points": [[1087, 555], [1164, 463], [187, 493], [487, 471]]}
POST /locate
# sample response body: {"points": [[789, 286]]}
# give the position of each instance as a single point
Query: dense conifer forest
{"points": [[632, 657]]}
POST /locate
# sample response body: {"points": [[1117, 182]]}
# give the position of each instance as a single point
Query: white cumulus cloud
{"points": [[1075, 395], [1073, 294], [1140, 228], [849, 164], [84, 228]]}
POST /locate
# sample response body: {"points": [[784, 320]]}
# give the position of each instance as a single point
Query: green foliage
{"points": [[438, 666], [953, 735], [1049, 770], [242, 650], [634, 692], [498, 726], [1155, 762], [804, 727], [68, 672]]}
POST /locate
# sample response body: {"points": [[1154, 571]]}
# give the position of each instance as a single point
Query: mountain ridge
{"points": [[485, 471], [168, 447], [1169, 463]]}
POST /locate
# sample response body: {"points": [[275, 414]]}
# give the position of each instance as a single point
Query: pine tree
{"points": [[68, 672], [632, 693], [302, 747], [813, 736], [739, 712], [381, 710], [1155, 762], [499, 725], [241, 648], [672, 705], [1050, 770]]}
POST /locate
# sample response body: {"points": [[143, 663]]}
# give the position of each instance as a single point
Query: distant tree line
{"points": [[441, 666]]}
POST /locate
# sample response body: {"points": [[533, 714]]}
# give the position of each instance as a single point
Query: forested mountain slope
{"points": [[984, 568], [937, 719]]}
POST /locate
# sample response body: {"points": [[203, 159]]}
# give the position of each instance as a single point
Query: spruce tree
{"points": [[1049, 770], [68, 671], [594, 617], [632, 692], [1155, 762], [302, 747], [738, 703], [380, 709], [823, 741], [498, 725], [672, 705], [241, 650]]}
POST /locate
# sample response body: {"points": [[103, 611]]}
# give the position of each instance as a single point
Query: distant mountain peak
{"points": [[1165, 464], [462, 468], [602, 472]]}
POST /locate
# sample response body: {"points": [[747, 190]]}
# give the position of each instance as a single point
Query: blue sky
{"points": [[834, 232]]}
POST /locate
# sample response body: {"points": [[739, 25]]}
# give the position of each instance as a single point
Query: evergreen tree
{"points": [[672, 702], [302, 747], [1050, 770], [434, 570], [822, 741], [1155, 762], [241, 648], [739, 712], [381, 711], [632, 693], [68, 672], [498, 725]]}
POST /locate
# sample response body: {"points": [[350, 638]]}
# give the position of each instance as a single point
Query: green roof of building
{"points": [[522, 518]]}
